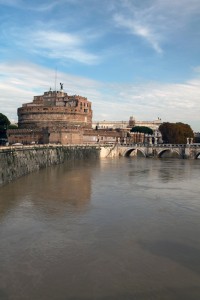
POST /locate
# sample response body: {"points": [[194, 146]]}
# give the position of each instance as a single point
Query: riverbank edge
{"points": [[18, 161]]}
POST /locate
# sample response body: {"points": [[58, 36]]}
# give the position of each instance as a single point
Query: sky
{"points": [[137, 58]]}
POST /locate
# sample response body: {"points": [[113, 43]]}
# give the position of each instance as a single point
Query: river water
{"points": [[106, 229]]}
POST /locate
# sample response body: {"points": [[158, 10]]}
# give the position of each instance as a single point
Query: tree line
{"points": [[175, 133], [172, 133]]}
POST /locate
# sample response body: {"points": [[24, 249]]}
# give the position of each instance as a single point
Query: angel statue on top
{"points": [[61, 86]]}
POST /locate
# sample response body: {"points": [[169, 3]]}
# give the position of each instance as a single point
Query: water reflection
{"points": [[171, 171], [111, 229], [51, 190], [64, 189], [175, 251], [164, 169], [170, 154]]}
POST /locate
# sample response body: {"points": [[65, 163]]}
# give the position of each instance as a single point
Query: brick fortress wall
{"points": [[55, 110]]}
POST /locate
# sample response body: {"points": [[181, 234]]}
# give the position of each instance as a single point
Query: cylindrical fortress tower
{"points": [[56, 110]]}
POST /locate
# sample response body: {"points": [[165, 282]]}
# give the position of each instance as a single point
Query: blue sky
{"points": [[136, 58]]}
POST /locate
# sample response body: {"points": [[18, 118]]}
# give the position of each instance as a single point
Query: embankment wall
{"points": [[19, 161]]}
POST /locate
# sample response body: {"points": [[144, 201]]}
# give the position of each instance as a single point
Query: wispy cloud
{"points": [[171, 102], [197, 69], [60, 45], [10, 2], [87, 40], [21, 81], [48, 43], [156, 20], [44, 6], [40, 7], [182, 9], [134, 27]]}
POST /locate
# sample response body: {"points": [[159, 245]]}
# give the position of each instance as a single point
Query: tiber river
{"points": [[110, 229]]}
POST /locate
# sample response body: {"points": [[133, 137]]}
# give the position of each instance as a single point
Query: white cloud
{"points": [[183, 8], [155, 21], [20, 82], [10, 2], [44, 6], [47, 43], [60, 45], [138, 29], [197, 69], [40, 7], [171, 102], [50, 39]]}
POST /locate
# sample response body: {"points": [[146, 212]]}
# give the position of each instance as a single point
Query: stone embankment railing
{"points": [[186, 151]]}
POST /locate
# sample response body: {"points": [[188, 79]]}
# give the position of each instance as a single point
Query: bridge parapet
{"points": [[188, 151]]}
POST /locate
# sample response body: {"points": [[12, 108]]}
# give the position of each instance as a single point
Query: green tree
{"points": [[175, 133], [12, 126], [142, 129], [4, 123], [4, 120]]}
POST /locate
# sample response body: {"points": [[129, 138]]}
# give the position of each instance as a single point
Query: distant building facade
{"points": [[110, 124], [154, 125]]}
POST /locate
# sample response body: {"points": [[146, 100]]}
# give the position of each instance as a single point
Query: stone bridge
{"points": [[189, 151]]}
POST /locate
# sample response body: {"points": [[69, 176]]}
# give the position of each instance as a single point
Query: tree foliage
{"points": [[142, 129], [175, 133], [4, 123], [12, 126], [4, 120]]}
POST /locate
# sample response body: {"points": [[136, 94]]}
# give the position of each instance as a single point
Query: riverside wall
{"points": [[19, 161]]}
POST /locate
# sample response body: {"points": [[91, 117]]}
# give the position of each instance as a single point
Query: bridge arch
{"points": [[168, 153], [129, 151]]}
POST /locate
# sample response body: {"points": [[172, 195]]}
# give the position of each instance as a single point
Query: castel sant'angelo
{"points": [[55, 110], [56, 117]]}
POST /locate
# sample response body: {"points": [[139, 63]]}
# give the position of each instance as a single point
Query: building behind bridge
{"points": [[126, 125], [56, 117]]}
